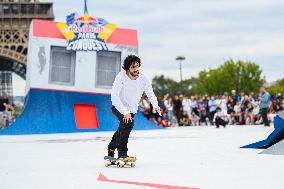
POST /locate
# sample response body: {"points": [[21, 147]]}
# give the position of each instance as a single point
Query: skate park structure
{"points": [[274, 143], [69, 90]]}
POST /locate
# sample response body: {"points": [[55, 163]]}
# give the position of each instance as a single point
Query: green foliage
{"points": [[241, 76], [278, 87], [163, 85]]}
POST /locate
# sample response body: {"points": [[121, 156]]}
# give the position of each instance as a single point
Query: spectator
{"points": [[144, 106], [161, 102], [246, 111], [186, 105], [204, 120], [174, 122], [194, 105], [4, 102], [177, 107], [169, 108], [264, 98], [220, 118], [249, 118], [184, 121], [194, 119], [213, 103], [223, 103], [2, 120]]}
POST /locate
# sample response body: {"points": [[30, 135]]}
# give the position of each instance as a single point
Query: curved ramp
{"points": [[50, 111], [276, 136]]}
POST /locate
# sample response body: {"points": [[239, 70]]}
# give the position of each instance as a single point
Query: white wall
{"points": [[38, 65]]}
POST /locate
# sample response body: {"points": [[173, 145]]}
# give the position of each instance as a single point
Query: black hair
{"points": [[129, 60]]}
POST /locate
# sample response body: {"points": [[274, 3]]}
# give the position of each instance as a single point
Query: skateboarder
{"points": [[127, 90]]}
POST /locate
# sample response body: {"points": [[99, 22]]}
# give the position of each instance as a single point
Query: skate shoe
{"points": [[110, 152]]}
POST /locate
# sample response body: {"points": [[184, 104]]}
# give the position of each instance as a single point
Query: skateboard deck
{"points": [[130, 161]]}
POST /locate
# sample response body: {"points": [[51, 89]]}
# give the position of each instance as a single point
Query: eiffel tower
{"points": [[15, 20]]}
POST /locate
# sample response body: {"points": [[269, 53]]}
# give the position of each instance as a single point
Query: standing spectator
{"points": [[251, 98], [223, 103], [213, 103], [169, 108], [204, 117], [186, 105], [278, 102], [161, 102], [206, 100], [235, 97], [177, 107], [194, 105], [264, 98], [242, 96], [201, 105]]}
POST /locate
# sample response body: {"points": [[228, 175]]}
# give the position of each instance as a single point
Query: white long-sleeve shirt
{"points": [[126, 93]]}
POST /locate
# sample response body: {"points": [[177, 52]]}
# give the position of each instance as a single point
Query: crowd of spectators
{"points": [[6, 111], [234, 109]]}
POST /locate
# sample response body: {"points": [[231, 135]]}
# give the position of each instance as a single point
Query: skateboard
{"points": [[129, 161]]}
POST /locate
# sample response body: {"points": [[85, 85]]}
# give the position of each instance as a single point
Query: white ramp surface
{"points": [[188, 157]]}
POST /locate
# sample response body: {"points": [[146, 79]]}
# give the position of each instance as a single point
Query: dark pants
{"points": [[177, 114], [263, 112], [120, 138], [211, 116], [219, 121]]}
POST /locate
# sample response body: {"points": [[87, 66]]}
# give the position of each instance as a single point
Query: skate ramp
{"points": [[276, 149], [51, 111], [276, 136]]}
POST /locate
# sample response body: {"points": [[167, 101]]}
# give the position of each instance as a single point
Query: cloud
{"points": [[206, 32]]}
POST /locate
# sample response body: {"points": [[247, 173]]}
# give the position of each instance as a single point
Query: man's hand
{"points": [[158, 110], [127, 118]]}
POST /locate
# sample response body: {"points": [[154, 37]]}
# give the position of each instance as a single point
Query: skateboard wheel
{"points": [[120, 165], [132, 165], [107, 164]]}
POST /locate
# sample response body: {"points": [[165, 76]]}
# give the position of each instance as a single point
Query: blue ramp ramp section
{"points": [[50, 111], [276, 136]]}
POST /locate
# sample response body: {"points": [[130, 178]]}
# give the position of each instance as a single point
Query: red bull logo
{"points": [[86, 32]]}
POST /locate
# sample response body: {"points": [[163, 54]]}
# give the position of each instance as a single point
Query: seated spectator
{"points": [[153, 119], [184, 121], [271, 112], [220, 118], [249, 118], [163, 121], [194, 119], [2, 121], [144, 106], [174, 122], [238, 113]]}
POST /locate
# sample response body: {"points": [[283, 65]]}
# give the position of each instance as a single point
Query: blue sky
{"points": [[206, 32]]}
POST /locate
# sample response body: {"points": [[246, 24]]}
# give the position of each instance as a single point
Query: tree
{"points": [[278, 87], [163, 86], [241, 76]]}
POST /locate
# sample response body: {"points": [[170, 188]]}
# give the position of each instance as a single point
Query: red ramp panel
{"points": [[86, 116]]}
